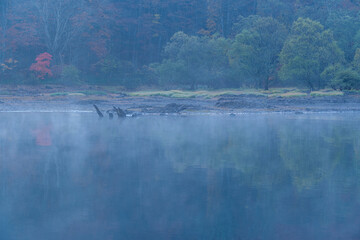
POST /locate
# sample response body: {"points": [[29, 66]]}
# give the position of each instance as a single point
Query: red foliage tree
{"points": [[41, 67]]}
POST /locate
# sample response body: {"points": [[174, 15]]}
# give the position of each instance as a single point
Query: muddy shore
{"points": [[44, 100]]}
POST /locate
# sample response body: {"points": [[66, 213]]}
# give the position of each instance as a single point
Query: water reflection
{"points": [[73, 176]]}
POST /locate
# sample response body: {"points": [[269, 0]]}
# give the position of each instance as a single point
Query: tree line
{"points": [[181, 43]]}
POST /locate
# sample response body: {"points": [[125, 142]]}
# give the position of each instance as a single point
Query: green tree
{"points": [[331, 72], [193, 61], [345, 25], [308, 50], [343, 77], [356, 60], [255, 51]]}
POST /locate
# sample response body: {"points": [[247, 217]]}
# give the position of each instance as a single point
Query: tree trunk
{"points": [[3, 7], [192, 87], [266, 83]]}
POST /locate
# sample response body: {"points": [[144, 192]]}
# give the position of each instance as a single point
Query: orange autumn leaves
{"points": [[41, 67]]}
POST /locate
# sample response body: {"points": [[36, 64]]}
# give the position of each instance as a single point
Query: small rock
{"points": [[136, 115]]}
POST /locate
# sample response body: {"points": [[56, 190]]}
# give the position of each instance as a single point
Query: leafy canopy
{"points": [[255, 51], [307, 52]]}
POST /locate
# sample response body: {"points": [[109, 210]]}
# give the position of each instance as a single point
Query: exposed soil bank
{"points": [[49, 99]]}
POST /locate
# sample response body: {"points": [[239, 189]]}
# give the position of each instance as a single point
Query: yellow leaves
{"points": [[10, 60], [8, 65], [156, 19], [5, 67]]}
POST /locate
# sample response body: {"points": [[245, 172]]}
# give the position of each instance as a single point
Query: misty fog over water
{"points": [[260, 176]]}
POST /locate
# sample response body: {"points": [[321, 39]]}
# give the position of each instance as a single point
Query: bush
{"points": [[192, 61], [171, 72], [347, 79], [118, 71], [330, 73], [70, 75], [110, 67]]}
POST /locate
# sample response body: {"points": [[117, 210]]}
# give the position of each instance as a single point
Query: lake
{"points": [[252, 176]]}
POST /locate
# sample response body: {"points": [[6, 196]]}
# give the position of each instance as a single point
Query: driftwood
{"points": [[119, 112], [111, 115], [98, 111]]}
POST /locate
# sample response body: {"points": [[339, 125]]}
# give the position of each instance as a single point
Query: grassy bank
{"points": [[275, 92], [116, 91]]}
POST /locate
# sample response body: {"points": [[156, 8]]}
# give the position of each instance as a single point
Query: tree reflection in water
{"points": [[73, 176]]}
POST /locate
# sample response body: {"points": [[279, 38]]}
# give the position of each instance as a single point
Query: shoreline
{"points": [[48, 99]]}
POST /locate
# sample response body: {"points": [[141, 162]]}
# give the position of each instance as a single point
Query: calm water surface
{"points": [[275, 176]]}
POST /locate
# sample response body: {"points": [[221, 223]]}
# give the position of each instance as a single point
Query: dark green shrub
{"points": [[70, 75], [192, 61], [347, 79]]}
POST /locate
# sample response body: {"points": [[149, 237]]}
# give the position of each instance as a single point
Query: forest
{"points": [[185, 44]]}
